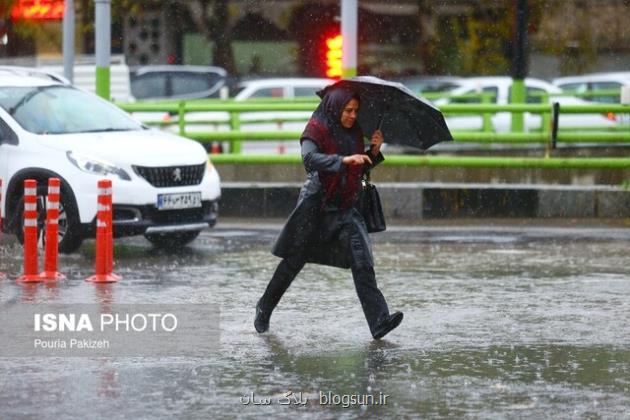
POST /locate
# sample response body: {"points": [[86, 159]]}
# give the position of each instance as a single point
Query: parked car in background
{"points": [[178, 82], [261, 90], [419, 84], [163, 186], [84, 76], [284, 88], [499, 89], [587, 83]]}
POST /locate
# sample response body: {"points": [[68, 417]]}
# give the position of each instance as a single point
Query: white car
{"points": [[163, 185], [595, 81], [284, 88], [259, 89], [432, 84], [499, 89]]}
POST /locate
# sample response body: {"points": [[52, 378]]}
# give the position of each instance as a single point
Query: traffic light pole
{"points": [[68, 40], [349, 13], [519, 63], [103, 47]]}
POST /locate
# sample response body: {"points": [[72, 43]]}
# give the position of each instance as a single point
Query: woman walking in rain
{"points": [[325, 228]]}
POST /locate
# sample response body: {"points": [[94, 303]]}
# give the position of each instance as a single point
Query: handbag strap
{"points": [[366, 175]]}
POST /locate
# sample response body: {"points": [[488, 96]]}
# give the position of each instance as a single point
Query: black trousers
{"points": [[371, 298]]}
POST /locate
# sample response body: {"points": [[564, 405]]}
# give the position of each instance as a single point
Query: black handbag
{"points": [[369, 205]]}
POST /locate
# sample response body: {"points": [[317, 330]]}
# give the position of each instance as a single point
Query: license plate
{"points": [[179, 201]]}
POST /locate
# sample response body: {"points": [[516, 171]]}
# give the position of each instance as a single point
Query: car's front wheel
{"points": [[172, 239], [70, 235]]}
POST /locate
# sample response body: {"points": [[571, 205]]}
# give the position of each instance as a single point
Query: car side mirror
{"points": [[7, 135]]}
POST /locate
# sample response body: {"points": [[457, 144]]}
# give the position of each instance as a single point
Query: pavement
{"points": [[504, 318]]}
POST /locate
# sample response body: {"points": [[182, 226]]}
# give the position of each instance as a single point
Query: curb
{"points": [[440, 200]]}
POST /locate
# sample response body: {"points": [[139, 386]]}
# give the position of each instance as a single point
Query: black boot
{"points": [[261, 323], [279, 283], [373, 302], [391, 322]]}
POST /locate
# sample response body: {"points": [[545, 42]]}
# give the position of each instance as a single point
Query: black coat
{"points": [[322, 233]]}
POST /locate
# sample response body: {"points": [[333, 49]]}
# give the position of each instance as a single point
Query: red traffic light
{"points": [[333, 56]]}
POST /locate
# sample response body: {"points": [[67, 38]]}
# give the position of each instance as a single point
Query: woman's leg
{"points": [[286, 271], [372, 300]]}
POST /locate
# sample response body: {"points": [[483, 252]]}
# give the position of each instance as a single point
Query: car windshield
{"points": [[62, 110]]}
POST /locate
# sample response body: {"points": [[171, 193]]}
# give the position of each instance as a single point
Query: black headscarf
{"points": [[329, 112]]}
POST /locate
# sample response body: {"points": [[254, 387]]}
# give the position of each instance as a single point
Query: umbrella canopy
{"points": [[403, 117]]}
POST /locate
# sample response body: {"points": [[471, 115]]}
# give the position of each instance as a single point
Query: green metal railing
{"points": [[447, 161], [236, 134]]}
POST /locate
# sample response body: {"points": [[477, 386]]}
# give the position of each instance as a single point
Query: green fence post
{"points": [[181, 112], [518, 97], [546, 116], [546, 128], [235, 125], [486, 98], [545, 123]]}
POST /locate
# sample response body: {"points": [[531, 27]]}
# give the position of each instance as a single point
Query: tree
{"points": [[478, 42], [427, 38], [573, 42]]}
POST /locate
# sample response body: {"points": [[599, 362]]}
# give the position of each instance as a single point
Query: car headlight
{"points": [[96, 166]]}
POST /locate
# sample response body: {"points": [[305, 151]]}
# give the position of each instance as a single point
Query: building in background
{"points": [[150, 38], [288, 37]]}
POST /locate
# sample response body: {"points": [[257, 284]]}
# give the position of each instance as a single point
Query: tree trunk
{"points": [[222, 54], [426, 20], [215, 28]]}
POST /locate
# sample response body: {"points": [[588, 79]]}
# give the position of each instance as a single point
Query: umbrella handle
{"points": [[380, 122]]}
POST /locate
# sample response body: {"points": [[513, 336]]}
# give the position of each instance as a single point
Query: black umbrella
{"points": [[403, 117]]}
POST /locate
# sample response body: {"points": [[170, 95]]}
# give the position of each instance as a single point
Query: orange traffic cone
{"points": [[104, 236], [31, 272], [52, 231]]}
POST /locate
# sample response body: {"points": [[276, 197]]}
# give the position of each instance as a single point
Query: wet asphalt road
{"points": [[500, 322]]}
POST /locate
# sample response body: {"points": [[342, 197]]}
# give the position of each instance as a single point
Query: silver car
{"points": [[178, 82]]}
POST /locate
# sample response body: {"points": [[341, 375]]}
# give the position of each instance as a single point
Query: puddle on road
{"points": [[508, 328]]}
